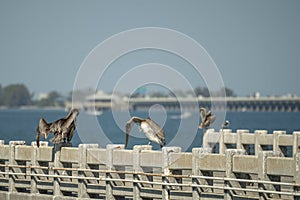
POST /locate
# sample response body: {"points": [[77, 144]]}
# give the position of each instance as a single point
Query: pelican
{"points": [[152, 130], [63, 129], [206, 118]]}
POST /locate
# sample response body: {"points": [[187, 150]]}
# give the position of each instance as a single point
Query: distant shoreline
{"points": [[32, 108]]}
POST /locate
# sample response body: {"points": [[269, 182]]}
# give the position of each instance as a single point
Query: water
{"points": [[21, 125]]}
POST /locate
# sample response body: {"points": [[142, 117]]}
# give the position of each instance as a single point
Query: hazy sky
{"points": [[255, 44]]}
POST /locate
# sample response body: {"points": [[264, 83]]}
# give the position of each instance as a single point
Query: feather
{"points": [[129, 125]]}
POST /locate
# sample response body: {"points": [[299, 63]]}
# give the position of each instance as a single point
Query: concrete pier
{"points": [[245, 165]]}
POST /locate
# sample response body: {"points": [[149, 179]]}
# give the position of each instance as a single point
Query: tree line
{"points": [[198, 91], [17, 95]]}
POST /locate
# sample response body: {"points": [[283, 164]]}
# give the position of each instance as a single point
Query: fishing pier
{"points": [[242, 165]]}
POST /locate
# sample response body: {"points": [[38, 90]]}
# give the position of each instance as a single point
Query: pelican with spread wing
{"points": [[152, 130], [206, 118], [63, 129]]}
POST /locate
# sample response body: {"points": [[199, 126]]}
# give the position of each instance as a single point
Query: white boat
{"points": [[94, 112], [184, 115]]}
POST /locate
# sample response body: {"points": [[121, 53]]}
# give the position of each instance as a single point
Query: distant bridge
{"points": [[241, 104]]}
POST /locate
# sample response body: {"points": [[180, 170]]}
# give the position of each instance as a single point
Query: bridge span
{"points": [[240, 104]]}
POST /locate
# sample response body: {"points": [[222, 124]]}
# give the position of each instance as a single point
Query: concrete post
{"points": [[166, 171], [82, 161], [34, 162], [203, 152], [229, 171], [137, 149], [57, 163], [196, 171], [12, 161], [297, 169], [296, 139], [109, 166], [263, 173], [258, 147], [239, 144], [222, 145], [276, 147], [206, 135]]}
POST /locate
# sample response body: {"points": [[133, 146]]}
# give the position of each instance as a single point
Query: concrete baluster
{"points": [[296, 141], [296, 156], [137, 149], [229, 172], [82, 161], [206, 138], [109, 166], [34, 162], [263, 173], [222, 145], [258, 147], [58, 164], [276, 148], [12, 161], [297, 169], [239, 140], [166, 171], [196, 172]]}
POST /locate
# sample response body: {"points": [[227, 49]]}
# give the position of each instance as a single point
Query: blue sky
{"points": [[255, 44]]}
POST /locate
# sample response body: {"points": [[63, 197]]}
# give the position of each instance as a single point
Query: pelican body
{"points": [[63, 129], [206, 118], [151, 130]]}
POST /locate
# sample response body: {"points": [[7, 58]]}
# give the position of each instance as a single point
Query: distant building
{"points": [[43, 95]]}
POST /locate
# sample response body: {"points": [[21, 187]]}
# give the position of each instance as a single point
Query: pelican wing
{"points": [[212, 118], [207, 118], [157, 129], [202, 113], [129, 125], [71, 131], [42, 129], [67, 121]]}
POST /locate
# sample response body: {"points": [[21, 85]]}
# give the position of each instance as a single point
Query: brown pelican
{"points": [[63, 129], [152, 130], [206, 118]]}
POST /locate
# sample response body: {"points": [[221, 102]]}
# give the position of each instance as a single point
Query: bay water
{"points": [[109, 128]]}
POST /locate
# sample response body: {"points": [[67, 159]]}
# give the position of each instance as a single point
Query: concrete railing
{"points": [[246, 166]]}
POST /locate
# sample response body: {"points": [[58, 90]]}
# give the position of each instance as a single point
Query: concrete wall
{"points": [[243, 166]]}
